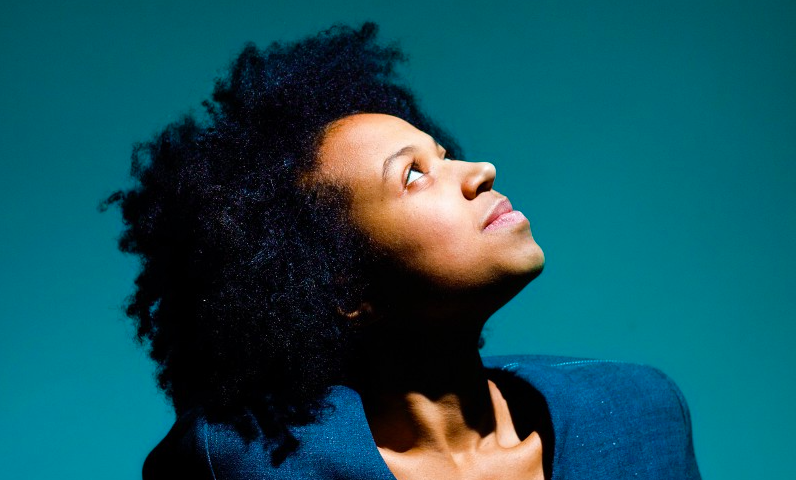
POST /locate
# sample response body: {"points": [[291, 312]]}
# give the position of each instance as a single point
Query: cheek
{"points": [[421, 226], [433, 242], [441, 223]]}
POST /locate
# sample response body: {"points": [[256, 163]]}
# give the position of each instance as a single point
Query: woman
{"points": [[317, 266]]}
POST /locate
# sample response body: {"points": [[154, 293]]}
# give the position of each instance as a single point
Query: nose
{"points": [[478, 178]]}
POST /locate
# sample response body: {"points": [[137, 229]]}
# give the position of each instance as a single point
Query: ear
{"points": [[360, 317]]}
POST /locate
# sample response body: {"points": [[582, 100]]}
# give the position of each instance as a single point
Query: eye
{"points": [[413, 174]]}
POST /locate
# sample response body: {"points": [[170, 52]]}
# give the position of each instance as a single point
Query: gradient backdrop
{"points": [[651, 143]]}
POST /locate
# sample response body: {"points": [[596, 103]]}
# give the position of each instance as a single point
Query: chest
{"points": [[523, 462]]}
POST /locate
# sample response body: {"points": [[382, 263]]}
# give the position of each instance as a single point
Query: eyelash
{"points": [[415, 167]]}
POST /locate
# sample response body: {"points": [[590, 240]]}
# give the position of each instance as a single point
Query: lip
{"points": [[502, 214], [501, 207]]}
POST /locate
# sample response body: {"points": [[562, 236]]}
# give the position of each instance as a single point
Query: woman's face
{"points": [[438, 219]]}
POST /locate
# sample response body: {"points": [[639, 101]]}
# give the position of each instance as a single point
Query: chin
{"points": [[518, 278], [532, 263], [538, 263]]}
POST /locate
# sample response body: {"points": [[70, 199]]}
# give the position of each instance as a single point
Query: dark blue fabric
{"points": [[610, 420]]}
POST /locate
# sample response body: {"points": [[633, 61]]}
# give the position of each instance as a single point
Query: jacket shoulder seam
{"points": [[207, 450], [584, 362]]}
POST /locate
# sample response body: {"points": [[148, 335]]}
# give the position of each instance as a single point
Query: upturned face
{"points": [[455, 242]]}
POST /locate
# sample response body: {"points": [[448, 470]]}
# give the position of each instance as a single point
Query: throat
{"points": [[428, 393]]}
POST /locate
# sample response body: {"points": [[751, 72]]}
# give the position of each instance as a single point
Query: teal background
{"points": [[652, 145]]}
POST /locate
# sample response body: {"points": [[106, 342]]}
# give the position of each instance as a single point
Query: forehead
{"points": [[357, 145]]}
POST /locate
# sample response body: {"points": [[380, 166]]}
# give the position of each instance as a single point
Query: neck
{"points": [[425, 388]]}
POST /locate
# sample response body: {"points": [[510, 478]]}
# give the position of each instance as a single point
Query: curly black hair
{"points": [[244, 269]]}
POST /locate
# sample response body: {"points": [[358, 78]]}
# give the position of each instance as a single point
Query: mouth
{"points": [[502, 214]]}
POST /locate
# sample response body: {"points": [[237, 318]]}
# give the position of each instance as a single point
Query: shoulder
{"points": [[184, 452], [581, 382], [623, 416], [337, 445], [198, 449]]}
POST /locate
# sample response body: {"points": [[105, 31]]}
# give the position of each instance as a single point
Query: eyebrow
{"points": [[388, 162]]}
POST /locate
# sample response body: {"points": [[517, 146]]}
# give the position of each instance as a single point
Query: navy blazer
{"points": [[603, 420]]}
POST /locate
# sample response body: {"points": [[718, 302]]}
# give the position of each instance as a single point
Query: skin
{"points": [[430, 406]]}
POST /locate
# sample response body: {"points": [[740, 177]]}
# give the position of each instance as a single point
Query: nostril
{"points": [[484, 187], [480, 179], [488, 172]]}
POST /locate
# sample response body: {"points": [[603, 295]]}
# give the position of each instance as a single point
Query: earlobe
{"points": [[360, 317]]}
